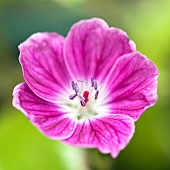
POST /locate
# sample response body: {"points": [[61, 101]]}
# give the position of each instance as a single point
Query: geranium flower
{"points": [[87, 89]]}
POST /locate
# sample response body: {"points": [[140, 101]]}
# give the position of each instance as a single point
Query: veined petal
{"points": [[108, 133], [46, 116], [132, 85], [41, 58], [91, 46]]}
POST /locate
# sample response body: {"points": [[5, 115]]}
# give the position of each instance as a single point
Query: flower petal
{"points": [[132, 85], [41, 58], [91, 46], [108, 133], [46, 116]]}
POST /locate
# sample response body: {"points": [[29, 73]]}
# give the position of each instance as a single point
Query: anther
{"points": [[73, 85], [83, 81], [82, 103], [71, 97], [96, 94], [92, 82], [95, 85], [76, 88]]}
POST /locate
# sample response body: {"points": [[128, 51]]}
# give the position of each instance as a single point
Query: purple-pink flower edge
{"points": [[87, 89]]}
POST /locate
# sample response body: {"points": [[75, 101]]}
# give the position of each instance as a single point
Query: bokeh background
{"points": [[22, 146]]}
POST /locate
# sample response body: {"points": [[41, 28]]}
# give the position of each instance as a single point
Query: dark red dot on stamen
{"points": [[86, 95]]}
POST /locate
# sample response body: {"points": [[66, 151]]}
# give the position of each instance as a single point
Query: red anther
{"points": [[86, 95]]}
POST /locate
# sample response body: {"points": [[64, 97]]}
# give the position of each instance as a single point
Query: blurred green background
{"points": [[147, 22]]}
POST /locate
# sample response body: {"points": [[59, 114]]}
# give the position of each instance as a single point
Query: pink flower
{"points": [[87, 89]]}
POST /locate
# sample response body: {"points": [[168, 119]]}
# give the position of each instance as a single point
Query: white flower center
{"points": [[85, 99]]}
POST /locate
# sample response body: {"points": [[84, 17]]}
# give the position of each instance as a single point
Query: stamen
{"points": [[83, 81], [73, 85], [71, 97], [92, 82], [96, 94], [76, 88], [95, 85], [82, 103]]}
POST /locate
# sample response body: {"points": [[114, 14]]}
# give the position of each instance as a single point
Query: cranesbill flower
{"points": [[87, 89]]}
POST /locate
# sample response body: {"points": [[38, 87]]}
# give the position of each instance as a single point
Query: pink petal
{"points": [[41, 58], [132, 85], [44, 115], [108, 133], [91, 46]]}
